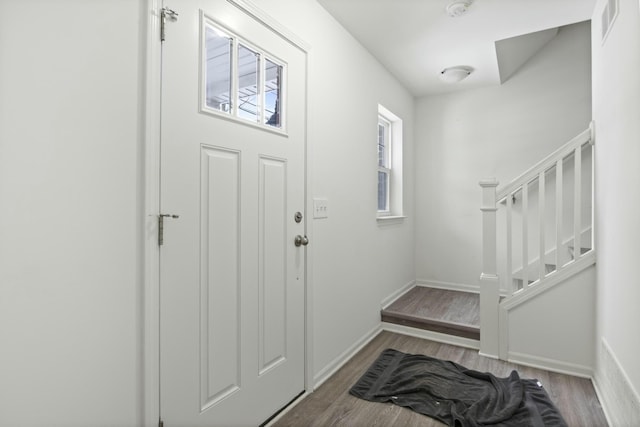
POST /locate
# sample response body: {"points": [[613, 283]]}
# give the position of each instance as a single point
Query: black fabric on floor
{"points": [[454, 394]]}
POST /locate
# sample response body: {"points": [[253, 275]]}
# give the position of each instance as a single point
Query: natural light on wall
{"points": [[389, 183]]}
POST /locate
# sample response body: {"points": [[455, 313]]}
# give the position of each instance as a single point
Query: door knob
{"points": [[301, 240]]}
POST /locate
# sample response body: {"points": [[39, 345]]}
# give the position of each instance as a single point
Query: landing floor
{"points": [[445, 311]]}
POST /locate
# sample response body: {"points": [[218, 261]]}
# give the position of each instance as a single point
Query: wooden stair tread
{"points": [[449, 328], [445, 311]]}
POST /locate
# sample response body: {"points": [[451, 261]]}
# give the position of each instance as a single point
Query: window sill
{"points": [[391, 219]]}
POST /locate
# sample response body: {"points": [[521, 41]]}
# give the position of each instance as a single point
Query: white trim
{"points": [[390, 219], [151, 199], [489, 356], [397, 294], [619, 399], [488, 183], [268, 21], [309, 232], [551, 280], [395, 168], [475, 289], [581, 139], [503, 325], [431, 336], [552, 365], [610, 19], [344, 357], [603, 398]]}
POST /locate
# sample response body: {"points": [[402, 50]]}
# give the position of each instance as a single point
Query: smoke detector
{"points": [[458, 8]]}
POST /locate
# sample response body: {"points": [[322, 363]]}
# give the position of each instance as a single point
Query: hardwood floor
{"points": [[450, 312], [332, 405]]}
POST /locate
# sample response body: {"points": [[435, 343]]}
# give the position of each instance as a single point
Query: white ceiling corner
{"points": [[514, 52], [417, 39]]}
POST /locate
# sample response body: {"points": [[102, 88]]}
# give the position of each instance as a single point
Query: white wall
{"points": [[554, 337], [70, 276], [616, 109], [499, 132], [356, 262], [71, 180]]}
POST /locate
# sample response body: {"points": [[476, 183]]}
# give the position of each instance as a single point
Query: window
{"points": [[384, 165], [389, 165], [240, 81]]}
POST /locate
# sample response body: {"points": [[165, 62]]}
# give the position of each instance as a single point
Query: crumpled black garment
{"points": [[454, 394]]}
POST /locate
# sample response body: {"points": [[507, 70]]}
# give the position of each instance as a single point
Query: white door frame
{"points": [[150, 116]]}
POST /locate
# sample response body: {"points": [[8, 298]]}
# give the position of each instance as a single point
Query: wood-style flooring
{"points": [[332, 405], [449, 312]]}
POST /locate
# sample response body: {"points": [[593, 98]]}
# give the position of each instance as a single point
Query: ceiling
{"points": [[416, 39]]}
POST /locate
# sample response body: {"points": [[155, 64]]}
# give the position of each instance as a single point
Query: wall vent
{"points": [[609, 15]]}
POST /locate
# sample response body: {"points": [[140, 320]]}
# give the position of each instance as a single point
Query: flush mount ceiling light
{"points": [[455, 74], [458, 8]]}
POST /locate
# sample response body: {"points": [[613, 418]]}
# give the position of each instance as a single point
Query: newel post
{"points": [[489, 282]]}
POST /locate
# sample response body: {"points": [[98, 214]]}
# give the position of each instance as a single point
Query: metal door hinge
{"points": [[165, 13], [161, 218]]}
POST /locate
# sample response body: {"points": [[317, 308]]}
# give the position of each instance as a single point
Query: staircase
{"points": [[537, 239], [532, 228]]}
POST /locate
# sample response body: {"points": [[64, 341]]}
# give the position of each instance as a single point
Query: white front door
{"points": [[232, 281]]}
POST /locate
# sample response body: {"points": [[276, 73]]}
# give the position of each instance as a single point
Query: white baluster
{"points": [[489, 281], [525, 235], [592, 196], [509, 274], [559, 213], [541, 222], [577, 204]]}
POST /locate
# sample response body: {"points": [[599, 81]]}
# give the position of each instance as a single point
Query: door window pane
{"points": [[240, 80], [272, 94], [248, 66], [218, 69]]}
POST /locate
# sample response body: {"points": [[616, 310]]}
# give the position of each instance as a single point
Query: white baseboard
{"points": [[619, 399], [432, 336], [337, 363], [397, 294], [448, 286], [602, 397], [489, 356], [550, 365]]}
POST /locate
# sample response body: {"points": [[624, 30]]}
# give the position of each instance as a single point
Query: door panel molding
{"points": [[273, 262], [220, 267]]}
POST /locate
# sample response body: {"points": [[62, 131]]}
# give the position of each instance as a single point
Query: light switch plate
{"points": [[320, 208]]}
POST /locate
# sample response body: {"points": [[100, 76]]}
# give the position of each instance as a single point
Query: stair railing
{"points": [[512, 258]]}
